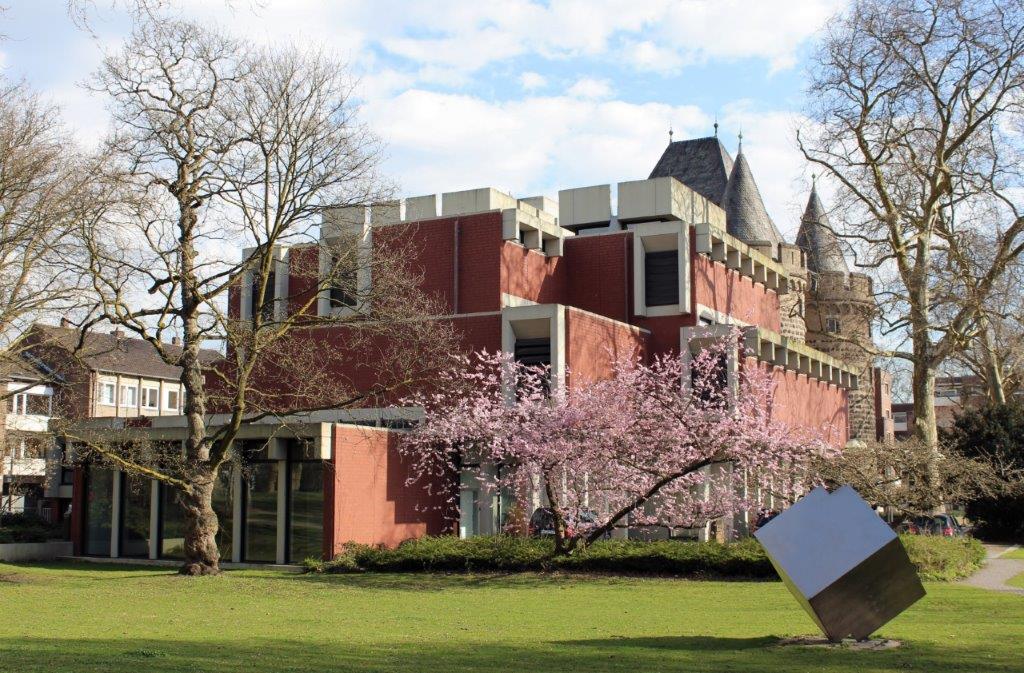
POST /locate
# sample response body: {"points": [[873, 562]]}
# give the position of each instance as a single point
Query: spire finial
{"points": [[716, 126], [670, 132], [741, 141], [814, 181]]}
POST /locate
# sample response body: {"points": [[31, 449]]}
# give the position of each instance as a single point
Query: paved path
{"points": [[996, 571]]}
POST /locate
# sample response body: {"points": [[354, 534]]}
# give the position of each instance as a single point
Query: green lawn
{"points": [[1017, 581], [117, 619], [1016, 553]]}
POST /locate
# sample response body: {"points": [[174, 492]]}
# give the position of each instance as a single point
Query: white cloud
{"points": [[588, 87], [531, 81], [444, 142]]}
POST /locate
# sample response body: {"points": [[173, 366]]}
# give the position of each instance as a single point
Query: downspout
{"points": [[455, 267]]}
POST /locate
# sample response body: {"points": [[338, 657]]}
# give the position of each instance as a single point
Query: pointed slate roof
{"points": [[745, 214], [702, 164], [819, 242]]}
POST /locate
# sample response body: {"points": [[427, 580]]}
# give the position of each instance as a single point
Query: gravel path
{"points": [[996, 571]]}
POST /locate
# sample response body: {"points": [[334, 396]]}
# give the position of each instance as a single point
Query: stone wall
{"points": [[836, 300]]}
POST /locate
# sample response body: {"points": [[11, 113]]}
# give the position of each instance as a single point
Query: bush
{"points": [[26, 528], [943, 559], [936, 558]]}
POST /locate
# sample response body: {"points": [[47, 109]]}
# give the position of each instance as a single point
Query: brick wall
{"points": [[806, 402], [593, 343], [728, 292], [366, 498]]}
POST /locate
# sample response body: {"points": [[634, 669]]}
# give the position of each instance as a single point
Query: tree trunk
{"points": [[556, 513], [201, 525], [993, 369]]}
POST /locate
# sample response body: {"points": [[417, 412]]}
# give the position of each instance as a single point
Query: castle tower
{"points": [[838, 313], [747, 219]]}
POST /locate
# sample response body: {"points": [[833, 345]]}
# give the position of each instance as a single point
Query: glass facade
{"points": [[99, 500], [305, 507], [260, 512], [223, 505], [136, 498], [172, 524]]}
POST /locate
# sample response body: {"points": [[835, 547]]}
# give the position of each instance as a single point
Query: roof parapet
{"points": [[775, 349], [738, 256]]}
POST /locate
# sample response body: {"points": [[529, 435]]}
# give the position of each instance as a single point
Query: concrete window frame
{"points": [[351, 221], [537, 321], [280, 254], [660, 237], [690, 340]]}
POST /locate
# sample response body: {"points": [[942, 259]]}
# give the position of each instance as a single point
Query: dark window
{"points": [[266, 308], [224, 507], [712, 389], [135, 494], [305, 505], [343, 285], [832, 325], [533, 352], [99, 498], [661, 278]]}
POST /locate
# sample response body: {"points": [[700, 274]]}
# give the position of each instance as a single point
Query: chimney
{"points": [[175, 341], [64, 322], [118, 332]]}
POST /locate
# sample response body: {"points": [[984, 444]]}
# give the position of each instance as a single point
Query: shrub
{"points": [[943, 558], [26, 528], [936, 558]]}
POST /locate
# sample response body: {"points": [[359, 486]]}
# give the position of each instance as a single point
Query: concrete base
{"points": [[34, 551], [171, 563]]}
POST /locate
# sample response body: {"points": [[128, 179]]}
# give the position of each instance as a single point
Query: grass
{"points": [[1017, 581], [118, 619], [1015, 554]]}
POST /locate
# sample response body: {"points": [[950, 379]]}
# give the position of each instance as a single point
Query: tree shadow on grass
{"points": [[678, 653]]}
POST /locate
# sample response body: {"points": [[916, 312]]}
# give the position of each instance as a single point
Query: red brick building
{"points": [[688, 252]]}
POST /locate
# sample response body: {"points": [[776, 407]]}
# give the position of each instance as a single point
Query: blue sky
{"points": [[530, 97]]}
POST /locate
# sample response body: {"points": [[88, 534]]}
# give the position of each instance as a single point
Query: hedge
{"points": [[936, 558], [26, 528]]}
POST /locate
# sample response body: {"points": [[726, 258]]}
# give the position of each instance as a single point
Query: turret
{"points": [[840, 307]]}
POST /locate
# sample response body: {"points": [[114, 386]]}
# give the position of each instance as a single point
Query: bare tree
{"points": [[47, 191], [221, 147], [896, 476], [914, 113]]}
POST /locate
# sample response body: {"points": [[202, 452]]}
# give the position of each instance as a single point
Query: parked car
{"points": [[945, 525], [542, 523]]}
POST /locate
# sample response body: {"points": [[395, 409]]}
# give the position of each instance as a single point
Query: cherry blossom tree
{"points": [[678, 441]]}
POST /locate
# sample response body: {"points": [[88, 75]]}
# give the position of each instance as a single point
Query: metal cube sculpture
{"points": [[844, 565]]}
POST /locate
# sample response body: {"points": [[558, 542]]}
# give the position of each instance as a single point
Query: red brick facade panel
{"points": [[367, 499], [806, 402], [532, 275], [594, 343], [729, 293], [303, 279], [599, 274]]}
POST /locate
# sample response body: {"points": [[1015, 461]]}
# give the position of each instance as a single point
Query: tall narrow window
{"points": [[135, 493], [832, 325], [266, 307], [305, 504], [343, 284], [534, 353], [661, 278], [99, 497]]}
